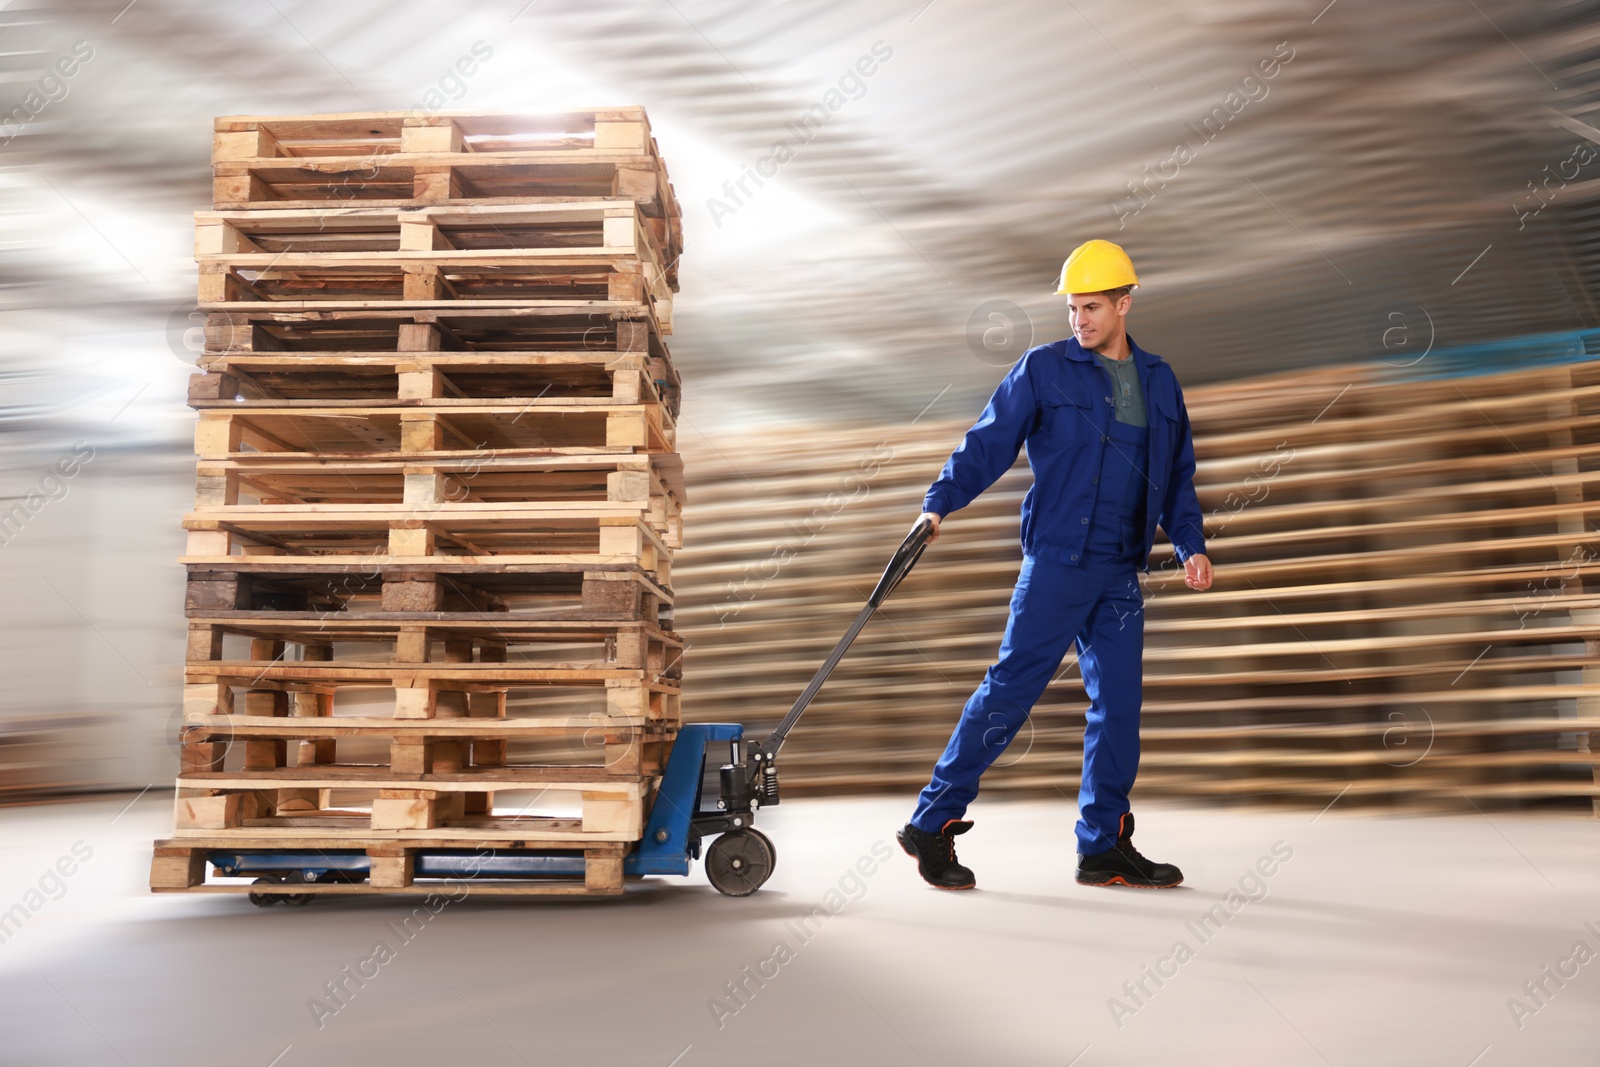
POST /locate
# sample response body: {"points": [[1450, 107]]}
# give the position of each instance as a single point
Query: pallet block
{"points": [[176, 867]]}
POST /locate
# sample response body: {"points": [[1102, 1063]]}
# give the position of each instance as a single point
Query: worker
{"points": [[1109, 444]]}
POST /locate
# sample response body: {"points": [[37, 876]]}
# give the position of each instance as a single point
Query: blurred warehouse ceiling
{"points": [[1300, 183]]}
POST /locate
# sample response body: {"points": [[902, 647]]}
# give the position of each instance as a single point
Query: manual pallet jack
{"points": [[739, 859]]}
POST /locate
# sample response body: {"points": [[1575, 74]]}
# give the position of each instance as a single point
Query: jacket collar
{"points": [[1075, 351]]}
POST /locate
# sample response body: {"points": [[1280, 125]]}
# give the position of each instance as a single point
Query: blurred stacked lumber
{"points": [[51, 755], [1400, 611], [437, 493]]}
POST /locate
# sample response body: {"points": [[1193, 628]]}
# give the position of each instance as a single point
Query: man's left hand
{"points": [[1197, 572]]}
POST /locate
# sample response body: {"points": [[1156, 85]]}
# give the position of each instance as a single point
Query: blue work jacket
{"points": [[1058, 400]]}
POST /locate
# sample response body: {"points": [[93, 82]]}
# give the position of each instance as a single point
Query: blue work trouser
{"points": [[1099, 606]]}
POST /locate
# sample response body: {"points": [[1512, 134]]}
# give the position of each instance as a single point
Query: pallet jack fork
{"points": [[738, 862]]}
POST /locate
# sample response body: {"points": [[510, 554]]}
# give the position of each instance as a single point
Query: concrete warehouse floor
{"points": [[1379, 940]]}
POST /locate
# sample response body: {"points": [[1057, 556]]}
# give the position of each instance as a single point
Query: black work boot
{"points": [[1122, 865], [936, 854]]}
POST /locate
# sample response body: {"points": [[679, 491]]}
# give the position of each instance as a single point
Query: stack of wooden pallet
{"points": [[429, 591], [1402, 610]]}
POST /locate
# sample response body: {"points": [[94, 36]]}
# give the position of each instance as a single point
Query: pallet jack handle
{"points": [[905, 558]]}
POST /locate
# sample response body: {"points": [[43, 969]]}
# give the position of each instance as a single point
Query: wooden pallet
{"points": [[487, 527], [615, 477], [499, 354], [453, 711], [320, 427], [484, 533], [531, 255], [449, 327], [1399, 562], [624, 377], [468, 637], [419, 689], [610, 229], [408, 805], [180, 864], [499, 591], [300, 493], [475, 656], [604, 743], [402, 677], [400, 159], [654, 481], [478, 281]]}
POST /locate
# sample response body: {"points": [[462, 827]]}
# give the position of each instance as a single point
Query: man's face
{"points": [[1097, 320]]}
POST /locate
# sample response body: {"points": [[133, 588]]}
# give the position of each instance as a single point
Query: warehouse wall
{"points": [[94, 627], [1405, 178]]}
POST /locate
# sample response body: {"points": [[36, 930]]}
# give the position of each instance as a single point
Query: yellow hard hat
{"points": [[1096, 266]]}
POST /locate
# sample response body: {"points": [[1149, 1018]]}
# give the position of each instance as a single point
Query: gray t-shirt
{"points": [[1125, 389]]}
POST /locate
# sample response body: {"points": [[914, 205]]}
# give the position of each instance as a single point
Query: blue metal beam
{"points": [[665, 848]]}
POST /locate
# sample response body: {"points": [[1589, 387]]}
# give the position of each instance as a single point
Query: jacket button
{"points": [[1084, 521], [1095, 480], [1104, 439], [1109, 400], [1074, 559]]}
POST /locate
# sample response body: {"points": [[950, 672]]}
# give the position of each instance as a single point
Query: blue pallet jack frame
{"points": [[738, 861]]}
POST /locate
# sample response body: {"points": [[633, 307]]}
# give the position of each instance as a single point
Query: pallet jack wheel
{"points": [[265, 900], [294, 900], [772, 850], [740, 862]]}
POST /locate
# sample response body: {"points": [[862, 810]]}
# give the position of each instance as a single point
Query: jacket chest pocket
{"points": [[1068, 420], [1164, 419]]}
